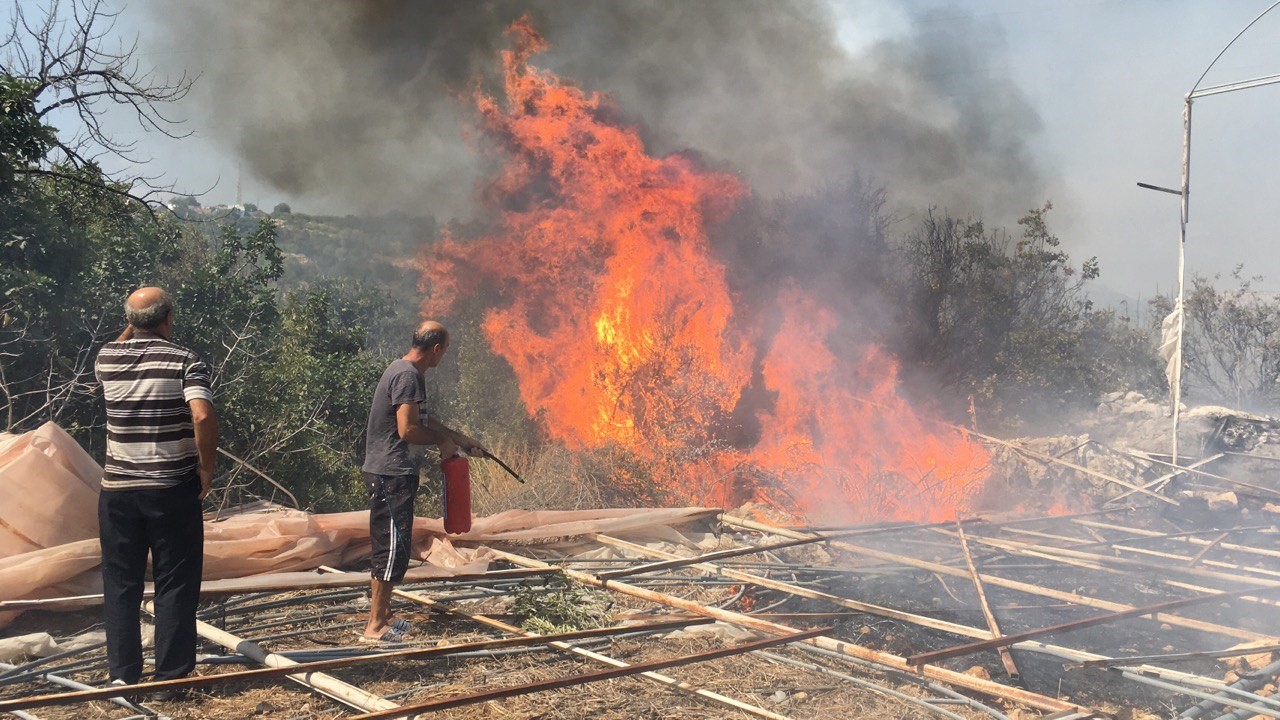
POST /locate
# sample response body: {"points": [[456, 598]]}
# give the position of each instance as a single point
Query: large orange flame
{"points": [[852, 447], [620, 325]]}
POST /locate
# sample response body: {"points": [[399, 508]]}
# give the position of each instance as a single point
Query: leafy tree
{"points": [[291, 370], [1231, 342], [475, 389], [59, 67], [69, 255], [74, 238], [1009, 321], [227, 297], [281, 209], [24, 140], [300, 411]]}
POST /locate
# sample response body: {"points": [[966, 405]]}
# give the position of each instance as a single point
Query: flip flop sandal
{"points": [[402, 625], [390, 635]]}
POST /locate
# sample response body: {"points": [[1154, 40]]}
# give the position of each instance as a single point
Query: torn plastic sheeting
{"points": [[291, 541], [42, 644], [58, 513], [50, 490]]}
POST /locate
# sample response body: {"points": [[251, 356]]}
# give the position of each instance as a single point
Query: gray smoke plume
{"points": [[362, 106]]}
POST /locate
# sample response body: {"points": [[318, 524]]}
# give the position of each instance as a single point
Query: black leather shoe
{"points": [[174, 695]]}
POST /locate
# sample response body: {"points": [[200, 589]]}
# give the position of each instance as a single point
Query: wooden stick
{"points": [[1202, 473], [770, 583], [1035, 645], [324, 684], [1187, 537], [999, 519], [1159, 482], [213, 588], [920, 620], [721, 555], [1251, 456], [1208, 627], [1172, 657], [263, 475], [1045, 550], [1006, 658], [1204, 589], [1188, 560]]}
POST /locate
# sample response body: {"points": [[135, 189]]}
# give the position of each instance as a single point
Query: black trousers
{"points": [[168, 524]]}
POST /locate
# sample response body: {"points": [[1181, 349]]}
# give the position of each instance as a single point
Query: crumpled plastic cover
{"points": [[49, 531]]}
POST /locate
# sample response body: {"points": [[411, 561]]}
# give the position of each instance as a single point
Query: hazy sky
{"points": [[1106, 79]]}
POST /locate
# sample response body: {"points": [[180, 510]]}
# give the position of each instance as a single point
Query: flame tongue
{"points": [[616, 317], [852, 448], [619, 324]]}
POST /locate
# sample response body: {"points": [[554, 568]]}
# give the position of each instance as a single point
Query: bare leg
{"points": [[379, 608]]}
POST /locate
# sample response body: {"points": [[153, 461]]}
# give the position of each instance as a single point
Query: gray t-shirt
{"points": [[384, 452]]}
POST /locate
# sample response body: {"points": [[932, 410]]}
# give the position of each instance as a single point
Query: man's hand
{"points": [[470, 445], [448, 448], [206, 481]]}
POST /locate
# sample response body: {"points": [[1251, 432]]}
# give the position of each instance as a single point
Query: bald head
{"points": [[430, 334], [148, 307]]}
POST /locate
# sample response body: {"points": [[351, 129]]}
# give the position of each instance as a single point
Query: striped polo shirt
{"points": [[148, 381]]}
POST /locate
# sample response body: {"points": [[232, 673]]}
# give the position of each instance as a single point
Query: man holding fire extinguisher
{"points": [[391, 469]]}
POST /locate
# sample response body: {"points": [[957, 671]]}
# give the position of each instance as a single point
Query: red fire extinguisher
{"points": [[457, 494]]}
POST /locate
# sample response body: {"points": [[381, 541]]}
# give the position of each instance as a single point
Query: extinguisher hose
{"points": [[503, 466]]}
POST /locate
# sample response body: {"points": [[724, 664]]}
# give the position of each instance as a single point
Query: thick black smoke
{"points": [[359, 105]]}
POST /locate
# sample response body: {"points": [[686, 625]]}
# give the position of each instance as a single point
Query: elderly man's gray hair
{"points": [[149, 317]]}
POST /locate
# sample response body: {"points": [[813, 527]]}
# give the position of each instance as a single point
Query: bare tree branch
{"points": [[67, 58]]}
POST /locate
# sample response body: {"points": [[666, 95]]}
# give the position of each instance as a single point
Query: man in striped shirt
{"points": [[162, 434]]}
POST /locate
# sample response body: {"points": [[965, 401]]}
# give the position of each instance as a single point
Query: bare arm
{"points": [[466, 442], [205, 419], [410, 427], [409, 424]]}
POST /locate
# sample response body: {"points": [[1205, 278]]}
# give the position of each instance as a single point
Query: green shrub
{"points": [[558, 604]]}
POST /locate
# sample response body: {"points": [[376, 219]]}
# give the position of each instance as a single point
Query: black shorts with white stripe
{"points": [[390, 523]]}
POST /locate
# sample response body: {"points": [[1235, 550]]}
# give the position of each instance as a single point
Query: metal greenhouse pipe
{"points": [[326, 684], [583, 652], [997, 581], [986, 687]]}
